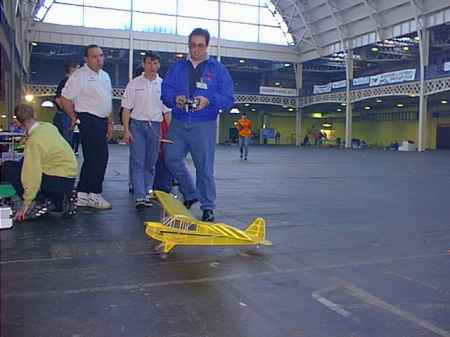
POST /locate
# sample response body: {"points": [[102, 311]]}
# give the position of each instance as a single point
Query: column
{"points": [[218, 128], [424, 51], [298, 112], [265, 119], [12, 61], [219, 52], [131, 43], [348, 101]]}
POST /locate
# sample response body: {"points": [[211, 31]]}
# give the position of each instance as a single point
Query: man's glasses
{"points": [[197, 45]]}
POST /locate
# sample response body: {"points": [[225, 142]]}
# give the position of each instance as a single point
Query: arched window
{"points": [[239, 20]]}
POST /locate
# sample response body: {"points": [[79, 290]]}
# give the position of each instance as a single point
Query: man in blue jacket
{"points": [[196, 88]]}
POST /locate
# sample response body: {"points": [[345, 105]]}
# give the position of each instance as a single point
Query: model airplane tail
{"points": [[257, 229]]}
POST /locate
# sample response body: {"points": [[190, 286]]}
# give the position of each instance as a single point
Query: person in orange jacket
{"points": [[244, 126]]}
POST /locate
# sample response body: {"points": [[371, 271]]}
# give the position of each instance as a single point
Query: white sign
{"points": [[276, 91], [447, 66], [321, 89], [393, 77], [361, 81], [339, 84], [381, 79]]}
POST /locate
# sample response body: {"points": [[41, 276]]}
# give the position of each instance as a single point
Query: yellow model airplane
{"points": [[179, 227]]}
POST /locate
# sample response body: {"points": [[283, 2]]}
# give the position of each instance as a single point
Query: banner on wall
{"points": [[268, 133], [321, 89], [277, 91], [393, 77], [447, 66], [361, 81], [339, 84], [375, 80]]}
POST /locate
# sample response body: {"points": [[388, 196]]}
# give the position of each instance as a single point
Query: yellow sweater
{"points": [[46, 152]]}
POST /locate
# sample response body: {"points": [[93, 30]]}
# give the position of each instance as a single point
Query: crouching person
{"points": [[47, 172]]}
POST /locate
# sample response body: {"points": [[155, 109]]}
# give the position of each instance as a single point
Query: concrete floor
{"points": [[361, 249]]}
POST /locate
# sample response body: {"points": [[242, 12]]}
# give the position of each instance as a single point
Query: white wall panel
{"points": [[49, 33]]}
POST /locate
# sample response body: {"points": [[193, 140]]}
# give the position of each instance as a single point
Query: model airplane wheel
{"points": [[163, 256], [158, 248]]}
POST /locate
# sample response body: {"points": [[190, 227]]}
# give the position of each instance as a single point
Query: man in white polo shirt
{"points": [[142, 116], [87, 96]]}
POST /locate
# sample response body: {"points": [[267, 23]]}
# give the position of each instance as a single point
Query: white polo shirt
{"points": [[144, 97], [90, 91]]}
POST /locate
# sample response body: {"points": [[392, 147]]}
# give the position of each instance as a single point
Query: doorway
{"points": [[443, 137]]}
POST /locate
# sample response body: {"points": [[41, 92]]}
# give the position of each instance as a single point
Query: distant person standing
{"points": [[142, 116], [277, 137], [317, 135], [61, 120], [244, 126], [88, 96]]}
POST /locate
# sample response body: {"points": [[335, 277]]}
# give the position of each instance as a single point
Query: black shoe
{"points": [[69, 207], [140, 204], [208, 215], [188, 203], [245, 158], [39, 208]]}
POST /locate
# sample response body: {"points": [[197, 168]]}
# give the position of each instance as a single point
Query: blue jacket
{"points": [[219, 90]]}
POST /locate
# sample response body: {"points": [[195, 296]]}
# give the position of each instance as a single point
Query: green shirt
{"points": [[46, 152]]}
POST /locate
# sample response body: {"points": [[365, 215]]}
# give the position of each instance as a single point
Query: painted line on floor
{"points": [[368, 263], [421, 283], [127, 287], [331, 305], [141, 286], [379, 303]]}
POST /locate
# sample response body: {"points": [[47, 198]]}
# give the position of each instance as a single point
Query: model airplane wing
{"points": [[172, 206]]}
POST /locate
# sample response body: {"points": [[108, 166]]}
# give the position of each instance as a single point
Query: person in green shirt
{"points": [[48, 171]]}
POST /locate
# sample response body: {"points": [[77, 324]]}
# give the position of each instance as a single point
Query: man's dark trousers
{"points": [[95, 152], [52, 187]]}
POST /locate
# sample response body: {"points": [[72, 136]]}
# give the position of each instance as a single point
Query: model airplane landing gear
{"points": [[158, 248], [163, 249]]}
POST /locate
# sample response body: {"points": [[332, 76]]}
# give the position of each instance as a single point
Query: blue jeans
{"points": [[144, 152], [163, 178], [200, 140], [243, 145], [75, 141], [62, 123]]}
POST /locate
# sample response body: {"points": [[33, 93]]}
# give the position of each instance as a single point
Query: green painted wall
{"points": [[227, 122], [42, 114], [380, 132], [285, 125], [3, 125], [377, 133]]}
